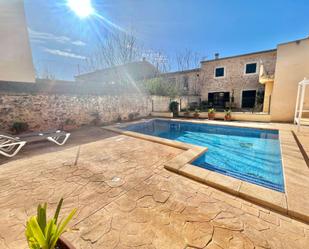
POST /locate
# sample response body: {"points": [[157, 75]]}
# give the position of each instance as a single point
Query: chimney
{"points": [[216, 56]]}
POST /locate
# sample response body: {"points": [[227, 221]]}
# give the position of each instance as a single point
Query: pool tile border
{"points": [[285, 203]]}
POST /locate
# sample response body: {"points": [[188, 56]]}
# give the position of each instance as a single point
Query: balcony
{"points": [[265, 77]]}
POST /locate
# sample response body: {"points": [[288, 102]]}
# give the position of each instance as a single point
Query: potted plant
{"points": [[196, 113], [228, 115], [211, 113], [174, 108], [45, 234]]}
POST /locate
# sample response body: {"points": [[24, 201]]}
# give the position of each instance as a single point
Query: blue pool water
{"points": [[252, 155]]}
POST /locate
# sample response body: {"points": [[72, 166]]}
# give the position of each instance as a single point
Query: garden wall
{"points": [[50, 109], [162, 103]]}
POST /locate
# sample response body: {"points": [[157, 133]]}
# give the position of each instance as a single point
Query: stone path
{"points": [[126, 199]]}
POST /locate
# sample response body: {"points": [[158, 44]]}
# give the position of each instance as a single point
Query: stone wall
{"points": [[235, 79], [191, 78], [50, 111], [162, 103]]}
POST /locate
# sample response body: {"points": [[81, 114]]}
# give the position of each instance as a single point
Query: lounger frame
{"points": [[10, 146]]}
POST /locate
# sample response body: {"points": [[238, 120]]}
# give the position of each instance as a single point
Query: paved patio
{"points": [[126, 199]]}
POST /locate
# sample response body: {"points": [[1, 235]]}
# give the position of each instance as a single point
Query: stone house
{"points": [[235, 80], [228, 82]]}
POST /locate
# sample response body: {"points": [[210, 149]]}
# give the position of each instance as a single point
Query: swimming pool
{"points": [[252, 155]]}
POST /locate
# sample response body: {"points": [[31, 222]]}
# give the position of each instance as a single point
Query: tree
{"points": [[122, 48], [116, 49], [187, 59], [161, 87]]}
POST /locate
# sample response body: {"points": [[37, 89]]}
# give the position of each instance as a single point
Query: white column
{"points": [[297, 103], [301, 104]]}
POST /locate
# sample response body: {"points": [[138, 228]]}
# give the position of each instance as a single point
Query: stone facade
{"points": [[50, 111], [235, 80], [162, 103], [188, 81], [202, 81]]}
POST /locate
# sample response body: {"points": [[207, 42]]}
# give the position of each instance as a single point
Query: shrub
{"points": [[193, 106], [174, 107], [69, 121], [19, 127], [133, 115], [204, 105], [161, 87], [97, 118], [42, 233]]}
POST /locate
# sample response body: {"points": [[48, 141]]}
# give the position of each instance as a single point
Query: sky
{"points": [[61, 41]]}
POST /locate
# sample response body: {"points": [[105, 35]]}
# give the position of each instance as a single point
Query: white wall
{"points": [[291, 67], [15, 53]]}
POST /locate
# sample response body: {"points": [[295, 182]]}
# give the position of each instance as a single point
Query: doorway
{"points": [[248, 98], [218, 99]]}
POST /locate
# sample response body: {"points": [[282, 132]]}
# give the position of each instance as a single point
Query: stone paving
{"points": [[126, 199]]}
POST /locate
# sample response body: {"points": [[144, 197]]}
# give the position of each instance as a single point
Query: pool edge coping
{"points": [[181, 164]]}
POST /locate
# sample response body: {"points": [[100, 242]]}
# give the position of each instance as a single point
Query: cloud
{"points": [[42, 37], [79, 43], [64, 53]]}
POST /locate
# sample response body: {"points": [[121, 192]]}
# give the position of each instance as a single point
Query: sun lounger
{"points": [[10, 145]]}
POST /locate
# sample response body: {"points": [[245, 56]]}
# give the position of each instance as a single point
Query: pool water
{"points": [[252, 155]]}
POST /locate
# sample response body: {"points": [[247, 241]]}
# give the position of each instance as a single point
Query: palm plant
{"points": [[43, 234]]}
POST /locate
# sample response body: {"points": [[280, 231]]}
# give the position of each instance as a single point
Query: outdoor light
{"points": [[82, 8]]}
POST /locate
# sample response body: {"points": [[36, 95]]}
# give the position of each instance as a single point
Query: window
{"points": [[218, 99], [219, 72], [251, 68], [248, 98], [185, 82]]}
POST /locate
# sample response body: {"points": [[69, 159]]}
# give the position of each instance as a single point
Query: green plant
{"points": [[174, 107], [161, 87], [19, 127], [133, 115], [196, 111], [186, 111], [211, 110], [43, 234], [97, 118], [69, 121], [204, 105], [228, 112]]}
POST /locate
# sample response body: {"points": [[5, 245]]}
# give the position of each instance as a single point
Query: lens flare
{"points": [[82, 8]]}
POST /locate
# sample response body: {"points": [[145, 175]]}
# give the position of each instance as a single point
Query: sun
{"points": [[82, 8]]}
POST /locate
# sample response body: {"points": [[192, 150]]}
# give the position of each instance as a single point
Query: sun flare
{"points": [[82, 8]]}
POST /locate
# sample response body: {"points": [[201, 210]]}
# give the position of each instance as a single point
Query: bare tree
{"points": [[46, 73], [122, 48], [187, 59], [160, 60], [116, 49]]}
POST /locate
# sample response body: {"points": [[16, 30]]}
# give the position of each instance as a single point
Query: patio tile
{"points": [[126, 199]]}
